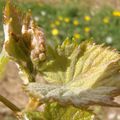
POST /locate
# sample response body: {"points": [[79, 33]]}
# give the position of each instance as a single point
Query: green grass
{"points": [[47, 17]]}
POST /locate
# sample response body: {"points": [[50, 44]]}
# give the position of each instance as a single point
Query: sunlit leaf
{"points": [[24, 40], [34, 115], [55, 111], [87, 74], [71, 62], [14, 42]]}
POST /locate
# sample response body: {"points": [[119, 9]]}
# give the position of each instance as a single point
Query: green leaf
{"points": [[19, 34], [15, 44], [12, 18], [24, 40], [71, 62], [55, 111], [58, 63], [34, 115], [89, 75]]}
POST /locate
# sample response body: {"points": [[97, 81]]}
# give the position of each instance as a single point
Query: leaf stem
{"points": [[10, 105], [32, 104]]}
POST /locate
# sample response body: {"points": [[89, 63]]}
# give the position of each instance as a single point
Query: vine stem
{"points": [[9, 104], [32, 104]]}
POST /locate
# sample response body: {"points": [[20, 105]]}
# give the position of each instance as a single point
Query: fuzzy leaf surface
{"points": [[82, 75]]}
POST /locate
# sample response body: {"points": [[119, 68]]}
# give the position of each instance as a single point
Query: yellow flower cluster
{"points": [[75, 22], [87, 18], [67, 20], [87, 29], [55, 32], [116, 13], [76, 36], [60, 19]]}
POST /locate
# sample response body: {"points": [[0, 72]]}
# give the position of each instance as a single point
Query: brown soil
{"points": [[10, 87]]}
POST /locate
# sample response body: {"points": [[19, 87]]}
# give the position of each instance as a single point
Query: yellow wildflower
{"points": [[60, 18], [57, 22], [67, 20], [76, 22], [116, 13], [106, 20], [87, 29], [87, 18], [76, 36], [55, 32]]}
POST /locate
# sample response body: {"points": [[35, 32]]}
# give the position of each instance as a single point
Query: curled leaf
{"points": [[22, 35], [24, 40]]}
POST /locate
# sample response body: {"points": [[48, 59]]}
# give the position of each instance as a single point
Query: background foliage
{"points": [[80, 21]]}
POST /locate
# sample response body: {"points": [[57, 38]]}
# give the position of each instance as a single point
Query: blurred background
{"points": [[80, 20]]}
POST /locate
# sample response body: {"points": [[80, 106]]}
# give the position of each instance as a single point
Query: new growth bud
{"points": [[38, 45], [24, 40]]}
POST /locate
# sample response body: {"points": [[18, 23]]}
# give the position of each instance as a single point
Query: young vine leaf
{"points": [[88, 76], [24, 40]]}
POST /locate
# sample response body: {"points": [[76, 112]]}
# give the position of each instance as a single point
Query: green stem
{"points": [[10, 105]]}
